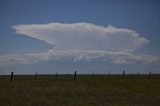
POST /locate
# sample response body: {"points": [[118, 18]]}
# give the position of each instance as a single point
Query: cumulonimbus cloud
{"points": [[82, 41]]}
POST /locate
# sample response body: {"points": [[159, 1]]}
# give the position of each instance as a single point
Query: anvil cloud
{"points": [[83, 36]]}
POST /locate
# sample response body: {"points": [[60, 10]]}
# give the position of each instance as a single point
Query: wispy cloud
{"points": [[82, 41], [78, 55]]}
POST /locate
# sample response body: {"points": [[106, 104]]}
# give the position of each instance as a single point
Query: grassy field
{"points": [[85, 91]]}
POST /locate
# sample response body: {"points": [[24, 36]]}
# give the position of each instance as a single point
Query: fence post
{"points": [[35, 77], [56, 76], [75, 74], [92, 75], [137, 74], [108, 75], [11, 78], [123, 73], [150, 74]]}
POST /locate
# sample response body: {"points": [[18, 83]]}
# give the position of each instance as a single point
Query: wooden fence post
{"points": [[11, 78], [138, 74], [92, 75], [35, 77], [75, 74], [56, 76], [150, 73], [108, 75], [123, 73]]}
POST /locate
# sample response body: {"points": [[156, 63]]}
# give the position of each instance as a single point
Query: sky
{"points": [[100, 36]]}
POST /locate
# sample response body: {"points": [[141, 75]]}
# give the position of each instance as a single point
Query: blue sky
{"points": [[20, 20]]}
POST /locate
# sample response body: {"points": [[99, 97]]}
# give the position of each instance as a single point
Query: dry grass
{"points": [[101, 91]]}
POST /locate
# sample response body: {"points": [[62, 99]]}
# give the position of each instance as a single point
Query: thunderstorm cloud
{"points": [[82, 41]]}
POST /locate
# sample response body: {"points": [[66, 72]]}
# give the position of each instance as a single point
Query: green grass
{"points": [[101, 91]]}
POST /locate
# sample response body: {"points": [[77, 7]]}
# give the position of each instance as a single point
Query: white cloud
{"points": [[78, 55], [82, 41], [84, 36]]}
